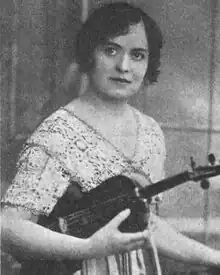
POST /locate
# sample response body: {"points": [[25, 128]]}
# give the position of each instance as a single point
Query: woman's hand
{"points": [[109, 240]]}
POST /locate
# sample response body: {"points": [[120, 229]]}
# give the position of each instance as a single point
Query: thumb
{"points": [[116, 221]]}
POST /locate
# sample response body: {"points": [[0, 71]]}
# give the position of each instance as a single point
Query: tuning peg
{"points": [[211, 159], [205, 184]]}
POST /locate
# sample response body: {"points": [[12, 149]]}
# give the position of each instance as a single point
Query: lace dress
{"points": [[64, 149]]}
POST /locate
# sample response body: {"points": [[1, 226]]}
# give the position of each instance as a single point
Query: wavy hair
{"points": [[112, 20]]}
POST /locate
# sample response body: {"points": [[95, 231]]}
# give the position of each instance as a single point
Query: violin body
{"points": [[82, 214]]}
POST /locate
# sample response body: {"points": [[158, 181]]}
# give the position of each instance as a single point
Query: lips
{"points": [[120, 80]]}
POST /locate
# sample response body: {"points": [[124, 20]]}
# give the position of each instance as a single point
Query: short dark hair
{"points": [[112, 20]]}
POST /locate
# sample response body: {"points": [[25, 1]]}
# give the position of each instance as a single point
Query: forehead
{"points": [[135, 38]]}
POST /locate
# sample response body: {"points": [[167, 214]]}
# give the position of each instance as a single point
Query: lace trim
{"points": [[63, 149]]}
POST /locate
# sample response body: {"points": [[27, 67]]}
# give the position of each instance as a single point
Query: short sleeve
{"points": [[38, 183], [160, 156], [155, 151], [160, 163]]}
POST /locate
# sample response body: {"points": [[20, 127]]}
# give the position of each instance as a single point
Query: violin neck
{"points": [[165, 184]]}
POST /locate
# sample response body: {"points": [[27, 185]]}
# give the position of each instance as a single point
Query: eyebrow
{"points": [[110, 43]]}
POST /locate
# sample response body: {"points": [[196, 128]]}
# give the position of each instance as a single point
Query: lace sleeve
{"points": [[160, 170], [155, 167], [39, 182]]}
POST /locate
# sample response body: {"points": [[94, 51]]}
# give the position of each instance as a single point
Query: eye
{"points": [[111, 51], [138, 56]]}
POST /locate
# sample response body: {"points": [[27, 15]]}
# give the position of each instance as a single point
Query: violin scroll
{"points": [[204, 172]]}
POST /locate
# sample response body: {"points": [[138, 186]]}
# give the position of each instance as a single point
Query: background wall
{"points": [[186, 101], [37, 39]]}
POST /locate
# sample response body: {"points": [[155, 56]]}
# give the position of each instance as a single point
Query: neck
{"points": [[105, 105]]}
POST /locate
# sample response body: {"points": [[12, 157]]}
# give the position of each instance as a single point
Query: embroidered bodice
{"points": [[64, 148]]}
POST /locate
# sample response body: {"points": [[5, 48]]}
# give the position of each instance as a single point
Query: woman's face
{"points": [[120, 64]]}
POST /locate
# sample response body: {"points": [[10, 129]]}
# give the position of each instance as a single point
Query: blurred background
{"points": [[38, 76]]}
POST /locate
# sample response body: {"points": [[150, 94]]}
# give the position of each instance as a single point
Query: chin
{"points": [[120, 97], [122, 94]]}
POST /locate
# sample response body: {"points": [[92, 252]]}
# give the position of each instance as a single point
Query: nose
{"points": [[123, 63]]}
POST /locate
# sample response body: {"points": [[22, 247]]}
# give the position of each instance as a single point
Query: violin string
{"points": [[76, 216], [90, 211]]}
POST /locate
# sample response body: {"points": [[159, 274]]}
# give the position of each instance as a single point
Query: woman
{"points": [[95, 137]]}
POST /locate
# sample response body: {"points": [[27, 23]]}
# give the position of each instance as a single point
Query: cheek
{"points": [[140, 72], [99, 72], [98, 69], [102, 63]]}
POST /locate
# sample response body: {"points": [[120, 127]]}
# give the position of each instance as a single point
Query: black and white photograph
{"points": [[110, 137]]}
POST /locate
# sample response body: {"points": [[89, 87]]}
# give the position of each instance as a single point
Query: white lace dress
{"points": [[64, 148]]}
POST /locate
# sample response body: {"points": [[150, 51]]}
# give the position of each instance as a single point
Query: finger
{"points": [[116, 221], [134, 237], [135, 245]]}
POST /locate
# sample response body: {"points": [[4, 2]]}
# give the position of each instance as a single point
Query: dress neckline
{"points": [[129, 159]]}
